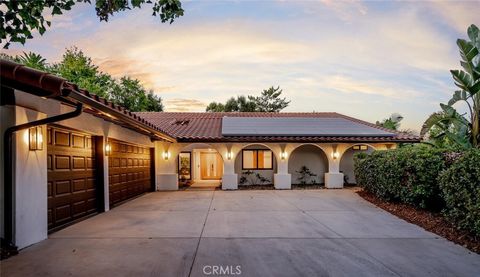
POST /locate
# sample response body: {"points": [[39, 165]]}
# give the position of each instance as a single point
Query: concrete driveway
{"points": [[255, 233]]}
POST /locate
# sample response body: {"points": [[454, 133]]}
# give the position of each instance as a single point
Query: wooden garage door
{"points": [[129, 171], [72, 191]]}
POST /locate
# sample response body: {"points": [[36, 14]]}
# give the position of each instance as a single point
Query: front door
{"points": [[211, 166]]}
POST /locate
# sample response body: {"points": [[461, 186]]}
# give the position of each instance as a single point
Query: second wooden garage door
{"points": [[129, 169]]}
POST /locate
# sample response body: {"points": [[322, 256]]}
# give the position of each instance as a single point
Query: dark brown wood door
{"points": [[71, 176], [128, 171]]}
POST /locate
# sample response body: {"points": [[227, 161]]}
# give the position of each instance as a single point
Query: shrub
{"points": [[406, 175], [306, 176], [460, 185]]}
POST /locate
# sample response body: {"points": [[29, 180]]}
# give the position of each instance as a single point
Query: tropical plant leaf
{"points": [[462, 79], [459, 95], [473, 33]]}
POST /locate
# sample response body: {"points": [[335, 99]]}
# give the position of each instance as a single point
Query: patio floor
{"points": [[265, 233]]}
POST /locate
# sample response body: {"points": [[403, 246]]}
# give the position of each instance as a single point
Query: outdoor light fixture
{"points": [[229, 155], [35, 138], [166, 155], [283, 155], [335, 154], [108, 149]]}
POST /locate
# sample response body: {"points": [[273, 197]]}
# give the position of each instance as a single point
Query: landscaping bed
{"points": [[256, 187], [430, 221]]}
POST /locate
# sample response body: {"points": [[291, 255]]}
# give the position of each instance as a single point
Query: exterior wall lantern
{"points": [[108, 149], [229, 155], [283, 155], [35, 138], [166, 155], [335, 154]]}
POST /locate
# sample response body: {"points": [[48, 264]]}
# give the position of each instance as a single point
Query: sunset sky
{"points": [[363, 59]]}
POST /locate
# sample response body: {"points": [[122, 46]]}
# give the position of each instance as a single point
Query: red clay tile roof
{"points": [[207, 127]]}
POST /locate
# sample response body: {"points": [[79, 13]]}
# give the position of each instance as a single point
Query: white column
{"points": [[106, 180], [229, 178], [30, 184], [282, 179], [333, 179], [166, 165]]}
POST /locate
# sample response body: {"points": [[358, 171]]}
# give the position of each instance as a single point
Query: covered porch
{"points": [[279, 164]]}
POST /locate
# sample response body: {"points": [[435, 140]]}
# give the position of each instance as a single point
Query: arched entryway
{"points": [[307, 164], [200, 165], [255, 164], [347, 164]]}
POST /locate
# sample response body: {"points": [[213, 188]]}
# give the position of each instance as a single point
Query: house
{"points": [[68, 154]]}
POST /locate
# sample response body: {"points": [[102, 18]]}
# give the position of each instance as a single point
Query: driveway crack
{"points": [[201, 235]]}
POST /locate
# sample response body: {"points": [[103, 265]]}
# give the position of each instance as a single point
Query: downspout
{"points": [[8, 166]]}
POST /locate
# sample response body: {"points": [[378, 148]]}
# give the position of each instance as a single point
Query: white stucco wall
{"points": [[30, 182], [313, 158]]}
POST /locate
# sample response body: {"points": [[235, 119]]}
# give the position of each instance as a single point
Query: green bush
{"points": [[407, 175], [460, 185]]}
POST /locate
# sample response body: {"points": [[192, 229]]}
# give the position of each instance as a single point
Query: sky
{"points": [[365, 59]]}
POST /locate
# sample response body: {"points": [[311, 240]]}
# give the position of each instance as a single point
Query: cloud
{"points": [[184, 105], [458, 14], [326, 55]]}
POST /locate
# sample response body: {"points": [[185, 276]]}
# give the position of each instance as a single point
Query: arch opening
{"points": [[347, 163], [199, 165], [308, 164], [255, 165]]}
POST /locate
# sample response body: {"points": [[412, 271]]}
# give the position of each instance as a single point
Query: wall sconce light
{"points": [[35, 138], [335, 154], [229, 155], [108, 149], [166, 155], [283, 155]]}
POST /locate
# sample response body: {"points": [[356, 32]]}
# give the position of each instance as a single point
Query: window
{"points": [[360, 147], [257, 159]]}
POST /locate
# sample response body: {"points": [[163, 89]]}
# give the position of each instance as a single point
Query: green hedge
{"points": [[407, 175], [428, 178], [460, 185]]}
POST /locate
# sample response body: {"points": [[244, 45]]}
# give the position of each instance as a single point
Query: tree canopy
{"points": [[78, 68], [269, 101], [392, 123], [19, 19]]}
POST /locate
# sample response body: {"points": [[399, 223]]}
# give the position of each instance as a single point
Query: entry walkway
{"points": [[260, 233]]}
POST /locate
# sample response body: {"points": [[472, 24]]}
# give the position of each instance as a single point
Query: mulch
{"points": [[430, 221]]}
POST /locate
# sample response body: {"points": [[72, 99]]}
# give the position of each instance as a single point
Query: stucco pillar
{"points": [[166, 165], [229, 178], [282, 179], [30, 179], [333, 179]]}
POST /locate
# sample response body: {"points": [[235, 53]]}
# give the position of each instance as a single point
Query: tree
{"points": [[268, 101], [130, 94], [78, 68], [392, 123], [215, 107], [462, 129], [18, 19], [32, 60]]}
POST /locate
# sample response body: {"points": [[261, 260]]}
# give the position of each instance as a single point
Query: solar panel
{"points": [[296, 126]]}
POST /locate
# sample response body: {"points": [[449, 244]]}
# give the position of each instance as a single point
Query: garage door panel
{"points": [[71, 183], [129, 171]]}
